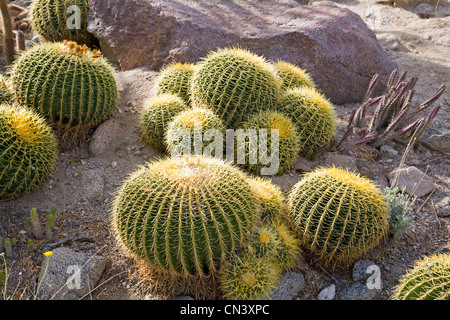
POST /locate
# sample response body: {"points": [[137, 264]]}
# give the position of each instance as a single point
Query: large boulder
{"points": [[333, 44]]}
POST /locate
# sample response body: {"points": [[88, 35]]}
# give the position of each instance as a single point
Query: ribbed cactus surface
{"points": [[6, 95], [28, 151], [283, 145], [185, 215], [197, 128], [156, 115], [313, 115], [58, 20], [429, 279], [66, 83], [272, 200], [292, 76], [235, 83], [338, 214]]}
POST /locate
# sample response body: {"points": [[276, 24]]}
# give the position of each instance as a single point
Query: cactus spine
{"points": [[338, 215], [157, 113], [313, 115], [68, 84], [28, 151], [429, 279], [235, 83], [185, 215]]}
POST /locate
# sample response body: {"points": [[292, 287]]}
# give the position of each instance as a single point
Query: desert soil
{"points": [[83, 185]]}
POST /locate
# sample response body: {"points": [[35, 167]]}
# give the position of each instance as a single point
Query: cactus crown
{"points": [[235, 83], [339, 215], [175, 79], [185, 215], [429, 279], [28, 151]]}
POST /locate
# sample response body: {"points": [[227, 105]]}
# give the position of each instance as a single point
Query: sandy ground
{"points": [[83, 185]]}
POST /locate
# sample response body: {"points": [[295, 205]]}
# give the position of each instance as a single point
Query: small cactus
{"points": [[429, 279], [338, 215], [248, 278], [184, 215], [68, 84], [157, 113], [235, 83], [313, 115], [175, 79], [293, 76], [270, 196], [58, 20], [28, 151], [288, 142], [195, 123], [36, 228]]}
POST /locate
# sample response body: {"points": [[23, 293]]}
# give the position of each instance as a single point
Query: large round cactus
{"points": [[28, 151], [175, 79], [338, 214], [58, 20], [284, 153], [235, 83], [429, 279], [197, 128], [293, 76], [313, 115], [272, 200], [66, 83], [185, 215], [157, 113]]}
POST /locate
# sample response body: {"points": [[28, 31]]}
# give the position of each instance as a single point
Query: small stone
{"points": [[340, 161], [291, 284], [415, 182], [362, 270], [443, 207], [103, 137], [328, 293], [114, 164], [183, 298], [387, 151], [358, 291], [437, 140]]}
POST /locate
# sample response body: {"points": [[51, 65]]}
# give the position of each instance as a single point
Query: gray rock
{"points": [[414, 181], [328, 293], [437, 140], [70, 275], [340, 161], [443, 207], [93, 182], [103, 137], [333, 44], [362, 270], [388, 152], [184, 298], [358, 291], [291, 284]]}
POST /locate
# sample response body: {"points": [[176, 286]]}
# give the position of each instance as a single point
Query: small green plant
{"points": [[399, 204], [4, 276], [34, 228], [47, 255]]}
